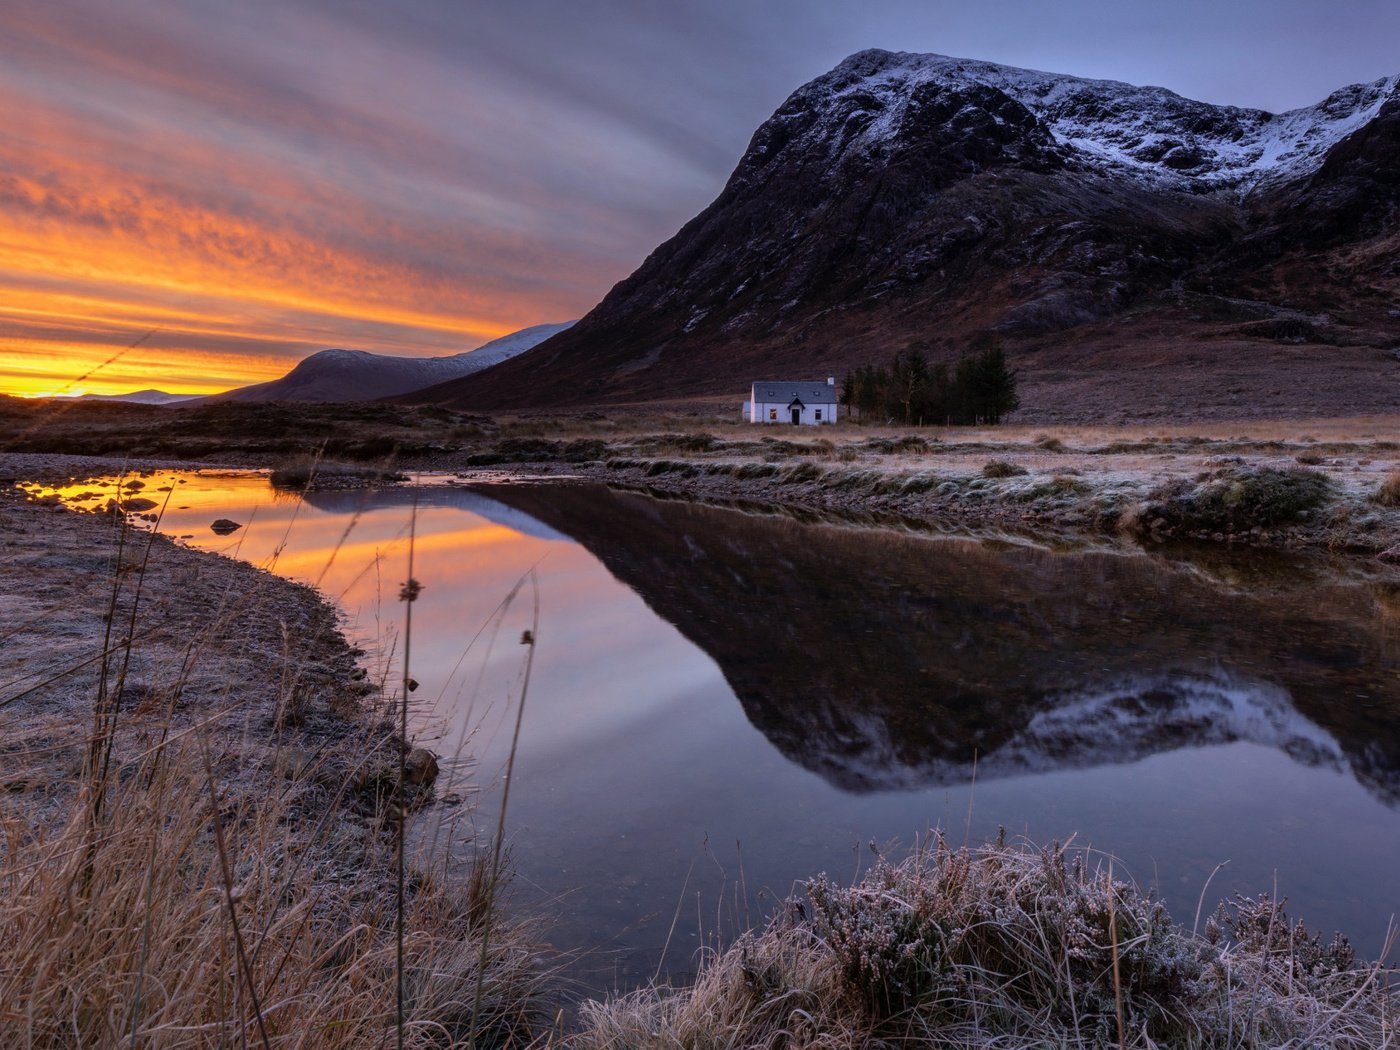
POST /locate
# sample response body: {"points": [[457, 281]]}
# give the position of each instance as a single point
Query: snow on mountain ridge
{"points": [[1114, 724], [1142, 131], [353, 375]]}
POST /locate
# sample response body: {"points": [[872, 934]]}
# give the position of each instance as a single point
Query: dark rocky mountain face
{"points": [[1127, 245]]}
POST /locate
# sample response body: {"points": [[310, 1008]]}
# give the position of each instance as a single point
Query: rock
{"points": [[224, 526], [135, 506], [420, 767]]}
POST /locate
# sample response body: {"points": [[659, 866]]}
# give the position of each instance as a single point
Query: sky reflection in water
{"points": [[822, 687]]}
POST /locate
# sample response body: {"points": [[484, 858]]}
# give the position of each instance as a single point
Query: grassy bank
{"points": [[199, 797], [1322, 483]]}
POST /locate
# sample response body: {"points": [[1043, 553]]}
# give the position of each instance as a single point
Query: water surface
{"points": [[724, 703]]}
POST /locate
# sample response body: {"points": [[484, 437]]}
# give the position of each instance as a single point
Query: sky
{"points": [[196, 195]]}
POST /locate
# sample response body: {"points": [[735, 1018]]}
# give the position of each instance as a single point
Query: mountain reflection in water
{"points": [[1180, 712], [887, 661]]}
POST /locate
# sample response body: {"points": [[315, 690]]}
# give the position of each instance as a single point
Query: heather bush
{"points": [[1237, 499], [1388, 495], [1000, 468], [1010, 946]]}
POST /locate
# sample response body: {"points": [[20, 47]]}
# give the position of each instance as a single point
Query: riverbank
{"points": [[199, 800], [1322, 483], [1270, 486]]}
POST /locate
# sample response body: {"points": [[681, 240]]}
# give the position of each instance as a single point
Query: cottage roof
{"points": [[785, 391]]}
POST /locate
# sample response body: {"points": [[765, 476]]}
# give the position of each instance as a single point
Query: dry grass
{"points": [[145, 930], [1001, 468], [1388, 495], [1010, 947], [196, 855]]}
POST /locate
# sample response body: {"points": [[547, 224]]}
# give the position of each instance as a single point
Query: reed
{"points": [[185, 865]]}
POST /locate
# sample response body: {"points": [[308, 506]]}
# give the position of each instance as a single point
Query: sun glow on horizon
{"points": [[227, 267]]}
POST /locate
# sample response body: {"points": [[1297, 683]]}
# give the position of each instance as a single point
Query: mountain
{"points": [[138, 397], [357, 375], [1137, 253]]}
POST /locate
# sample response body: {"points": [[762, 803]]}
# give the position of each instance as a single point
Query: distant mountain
{"points": [[1136, 252], [357, 375], [138, 397]]}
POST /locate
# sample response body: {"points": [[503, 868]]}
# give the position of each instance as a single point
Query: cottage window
{"points": [[819, 415], [772, 413]]}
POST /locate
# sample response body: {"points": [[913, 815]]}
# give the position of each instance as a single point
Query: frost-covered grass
{"points": [[1236, 500], [1388, 495], [1011, 946], [198, 808]]}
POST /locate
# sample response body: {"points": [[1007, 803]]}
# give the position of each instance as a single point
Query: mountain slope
{"points": [[357, 375], [138, 397], [1122, 241]]}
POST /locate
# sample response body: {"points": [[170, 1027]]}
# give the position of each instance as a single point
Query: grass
{"points": [[191, 917], [214, 863], [1001, 468], [1388, 495], [1233, 500], [1010, 946]]}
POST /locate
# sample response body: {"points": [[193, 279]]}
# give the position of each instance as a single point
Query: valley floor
{"points": [[1329, 484]]}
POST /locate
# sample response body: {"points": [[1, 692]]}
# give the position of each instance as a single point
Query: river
{"points": [[724, 702]]}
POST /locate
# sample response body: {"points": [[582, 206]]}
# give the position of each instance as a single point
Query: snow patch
{"points": [[1142, 131]]}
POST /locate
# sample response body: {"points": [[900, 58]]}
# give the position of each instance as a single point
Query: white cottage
{"points": [[803, 401]]}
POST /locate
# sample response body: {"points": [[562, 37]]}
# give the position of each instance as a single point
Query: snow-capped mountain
{"points": [[1114, 724], [1100, 125], [357, 375], [1130, 247], [138, 397]]}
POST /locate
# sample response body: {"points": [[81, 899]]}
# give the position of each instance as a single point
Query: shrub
{"points": [[1012, 946], [1059, 485], [1000, 468], [1238, 499], [1388, 495]]}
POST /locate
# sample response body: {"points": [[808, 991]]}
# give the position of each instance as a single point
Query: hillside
{"points": [[357, 375], [1139, 254]]}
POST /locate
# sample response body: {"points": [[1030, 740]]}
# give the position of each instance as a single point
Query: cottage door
{"points": [[796, 416]]}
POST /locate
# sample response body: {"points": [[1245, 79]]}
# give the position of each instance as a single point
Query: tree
{"points": [[993, 385], [868, 390]]}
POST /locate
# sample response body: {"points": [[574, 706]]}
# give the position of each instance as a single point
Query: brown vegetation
{"points": [[1011, 946], [198, 814]]}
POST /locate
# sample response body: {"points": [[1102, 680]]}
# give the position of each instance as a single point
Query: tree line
{"points": [[979, 389]]}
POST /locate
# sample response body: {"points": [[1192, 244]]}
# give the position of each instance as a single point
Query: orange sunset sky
{"points": [[195, 195], [238, 186]]}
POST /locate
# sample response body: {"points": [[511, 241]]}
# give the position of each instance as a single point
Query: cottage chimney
{"points": [[830, 380]]}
